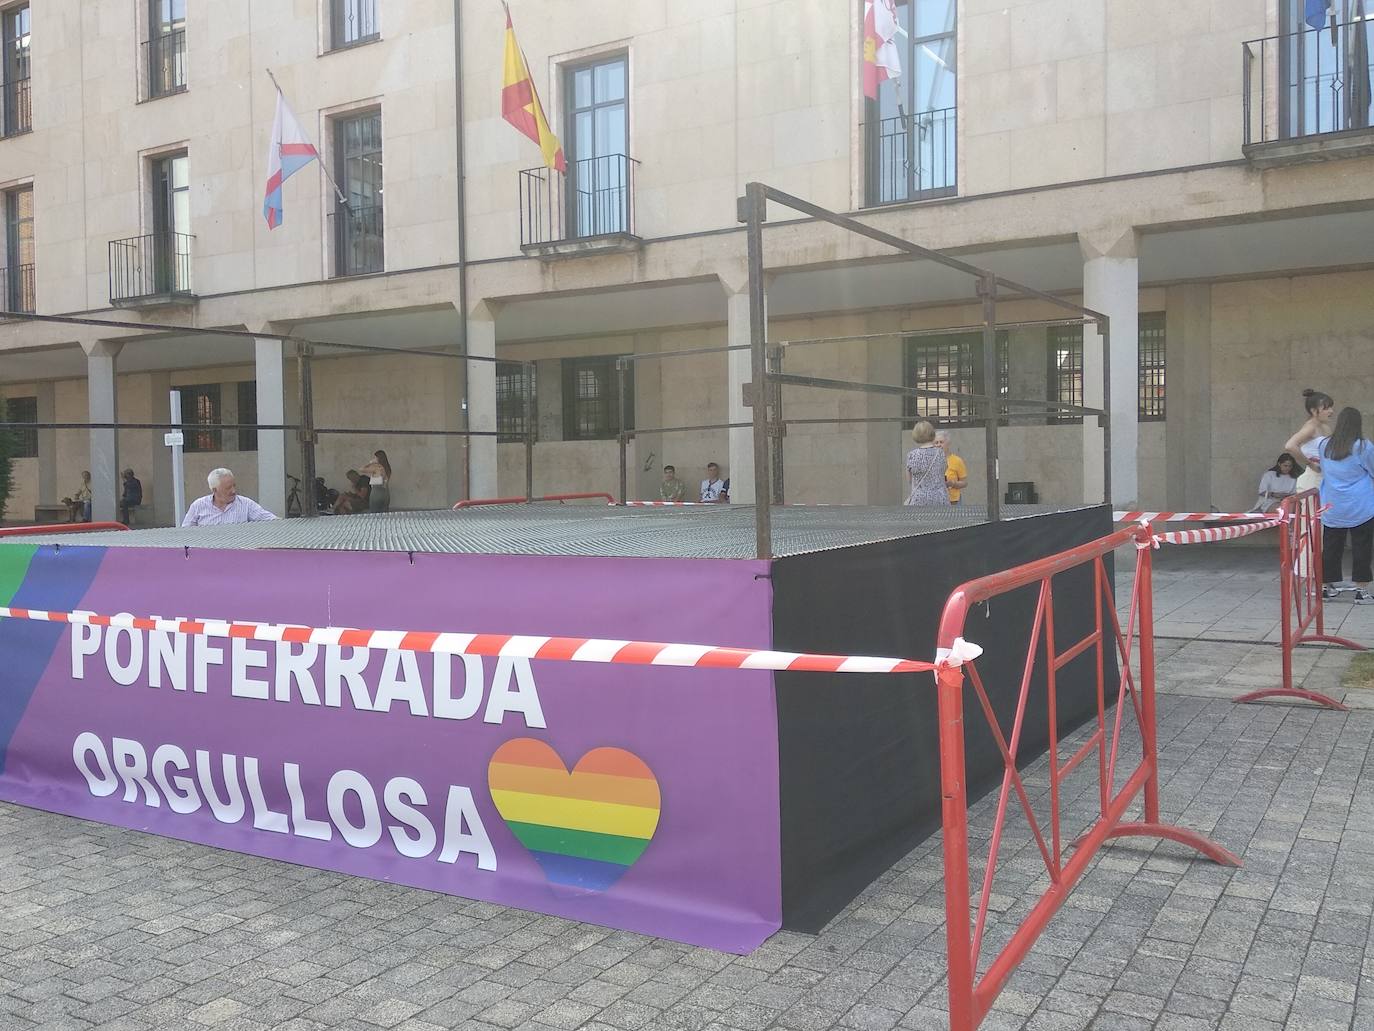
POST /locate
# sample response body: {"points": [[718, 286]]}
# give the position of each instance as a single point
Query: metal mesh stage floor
{"points": [[706, 532]]}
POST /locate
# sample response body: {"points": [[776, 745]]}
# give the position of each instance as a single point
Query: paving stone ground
{"points": [[112, 929]]}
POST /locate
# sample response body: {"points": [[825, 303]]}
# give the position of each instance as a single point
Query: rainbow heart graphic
{"points": [[585, 828]]}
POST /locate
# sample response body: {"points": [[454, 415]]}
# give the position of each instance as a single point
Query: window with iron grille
{"points": [[515, 408], [591, 400], [200, 410], [359, 228], [23, 409], [16, 113], [1151, 366], [1065, 374], [911, 127], [248, 414], [352, 22], [954, 364]]}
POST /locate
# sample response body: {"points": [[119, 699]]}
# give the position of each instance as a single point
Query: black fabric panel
{"points": [[858, 754]]}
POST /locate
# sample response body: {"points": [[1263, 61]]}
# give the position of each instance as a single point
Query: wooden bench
{"points": [[51, 514]]}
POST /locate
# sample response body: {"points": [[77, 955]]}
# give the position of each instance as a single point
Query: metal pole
{"points": [[777, 428], [1105, 332], [949, 694], [987, 287], [306, 433], [754, 211], [622, 436], [178, 465], [1146, 643], [527, 385]]}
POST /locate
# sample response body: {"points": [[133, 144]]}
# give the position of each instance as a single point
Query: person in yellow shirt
{"points": [[956, 472]]}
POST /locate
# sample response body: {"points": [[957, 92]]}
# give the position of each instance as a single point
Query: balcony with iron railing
{"points": [[359, 240], [1307, 96], [17, 288], [147, 271], [589, 209], [16, 110], [164, 63], [912, 157]]}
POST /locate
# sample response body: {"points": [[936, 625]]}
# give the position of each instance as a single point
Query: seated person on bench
{"points": [[130, 498]]}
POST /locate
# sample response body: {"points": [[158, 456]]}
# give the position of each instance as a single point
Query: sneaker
{"points": [[1361, 597], [1331, 591]]}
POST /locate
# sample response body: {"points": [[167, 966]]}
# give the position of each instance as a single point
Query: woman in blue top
{"points": [[1348, 499]]}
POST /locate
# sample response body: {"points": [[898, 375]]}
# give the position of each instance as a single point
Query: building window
{"points": [[165, 51], [18, 273], [23, 409], [1065, 379], [352, 22], [17, 110], [248, 414], [171, 211], [591, 399], [598, 121], [952, 363], [358, 239], [515, 406], [910, 130], [1151, 365], [200, 410]]}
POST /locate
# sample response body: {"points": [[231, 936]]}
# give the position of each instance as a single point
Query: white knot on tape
{"points": [[1151, 542], [962, 652]]}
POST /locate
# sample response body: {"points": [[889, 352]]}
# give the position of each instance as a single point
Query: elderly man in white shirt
{"points": [[224, 504]]}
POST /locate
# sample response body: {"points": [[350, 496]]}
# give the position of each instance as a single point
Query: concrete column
{"points": [[454, 452], [159, 493], [1188, 406], [1111, 285], [481, 383], [101, 372], [270, 369], [740, 461], [647, 451], [47, 445]]}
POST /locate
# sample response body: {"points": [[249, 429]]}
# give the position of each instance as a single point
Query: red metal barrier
{"points": [[36, 531], [972, 996], [560, 498], [1300, 595]]}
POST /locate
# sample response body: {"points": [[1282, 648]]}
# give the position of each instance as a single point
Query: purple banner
{"points": [[643, 798]]}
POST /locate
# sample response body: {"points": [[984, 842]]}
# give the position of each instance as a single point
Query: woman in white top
{"points": [[1321, 419], [378, 473], [1278, 482]]}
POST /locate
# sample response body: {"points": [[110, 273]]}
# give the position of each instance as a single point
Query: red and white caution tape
{"points": [[1184, 517], [567, 649], [1213, 533]]}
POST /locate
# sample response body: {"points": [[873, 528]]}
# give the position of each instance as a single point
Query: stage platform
{"points": [[711, 806], [706, 531]]}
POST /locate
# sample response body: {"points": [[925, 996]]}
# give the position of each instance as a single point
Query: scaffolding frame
{"points": [[763, 395]]}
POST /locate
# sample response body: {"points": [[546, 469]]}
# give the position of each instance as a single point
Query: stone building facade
{"points": [[1202, 173]]}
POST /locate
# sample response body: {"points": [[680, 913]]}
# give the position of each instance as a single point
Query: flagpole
{"points": [[324, 166]]}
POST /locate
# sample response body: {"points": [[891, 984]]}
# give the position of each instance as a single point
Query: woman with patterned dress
{"points": [[925, 468]]}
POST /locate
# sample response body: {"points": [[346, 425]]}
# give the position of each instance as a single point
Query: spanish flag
{"points": [[520, 103]]}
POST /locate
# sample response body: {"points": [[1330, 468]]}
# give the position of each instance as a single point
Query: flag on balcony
{"points": [[1357, 74], [882, 60], [1315, 13], [289, 151], [520, 103]]}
